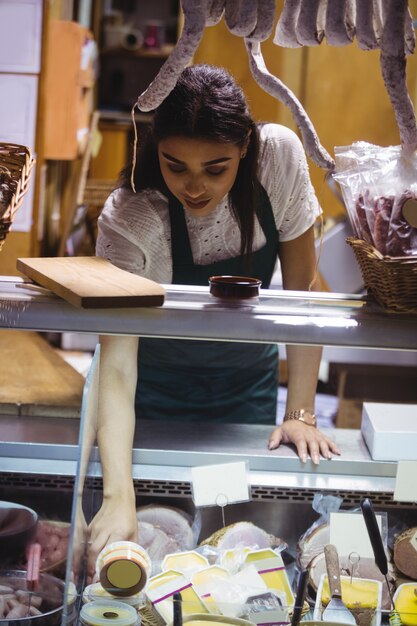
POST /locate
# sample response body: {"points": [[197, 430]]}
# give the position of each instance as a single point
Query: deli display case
{"points": [[51, 464]]}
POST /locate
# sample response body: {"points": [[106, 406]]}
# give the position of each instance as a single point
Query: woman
{"points": [[215, 194]]}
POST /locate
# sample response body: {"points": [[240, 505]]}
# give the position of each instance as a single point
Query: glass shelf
{"points": [[330, 319]]}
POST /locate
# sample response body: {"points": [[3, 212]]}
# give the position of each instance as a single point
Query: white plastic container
{"points": [[405, 601], [346, 580], [103, 612]]}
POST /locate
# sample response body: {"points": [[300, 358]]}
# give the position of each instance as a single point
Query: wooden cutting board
{"points": [[92, 282]]}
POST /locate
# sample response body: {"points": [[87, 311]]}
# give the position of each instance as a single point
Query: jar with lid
{"points": [[123, 568]]}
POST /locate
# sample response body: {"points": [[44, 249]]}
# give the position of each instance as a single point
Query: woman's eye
{"points": [[177, 169], [216, 171]]}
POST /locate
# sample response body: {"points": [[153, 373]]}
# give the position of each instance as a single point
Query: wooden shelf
{"points": [[142, 53], [69, 89]]}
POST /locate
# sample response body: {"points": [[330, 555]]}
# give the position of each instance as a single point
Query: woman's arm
{"points": [[116, 519], [298, 266]]}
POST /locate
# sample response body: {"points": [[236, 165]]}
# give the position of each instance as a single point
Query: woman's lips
{"points": [[192, 204]]}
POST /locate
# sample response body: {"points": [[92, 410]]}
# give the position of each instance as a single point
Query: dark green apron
{"points": [[182, 379]]}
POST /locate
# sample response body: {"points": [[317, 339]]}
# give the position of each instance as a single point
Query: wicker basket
{"points": [[16, 163], [391, 280]]}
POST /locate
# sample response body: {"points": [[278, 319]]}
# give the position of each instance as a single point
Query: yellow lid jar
{"points": [[123, 568]]}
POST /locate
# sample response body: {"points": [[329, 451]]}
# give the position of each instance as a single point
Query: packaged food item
{"points": [[95, 591], [405, 601], [187, 562], [203, 582], [312, 542], [379, 188], [160, 590], [123, 568], [267, 609], [271, 569], [103, 612]]}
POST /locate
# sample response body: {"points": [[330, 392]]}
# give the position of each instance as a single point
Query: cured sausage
{"points": [[215, 12], [340, 22], [285, 32], [276, 88], [241, 16], [393, 66], [165, 80], [265, 20], [365, 26], [306, 30]]}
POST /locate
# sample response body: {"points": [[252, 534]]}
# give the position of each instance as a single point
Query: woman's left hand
{"points": [[307, 439]]}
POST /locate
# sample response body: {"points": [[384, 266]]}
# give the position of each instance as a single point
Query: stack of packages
{"points": [[379, 187]]}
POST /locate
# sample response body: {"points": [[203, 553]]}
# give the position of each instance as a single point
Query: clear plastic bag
{"points": [[379, 188]]}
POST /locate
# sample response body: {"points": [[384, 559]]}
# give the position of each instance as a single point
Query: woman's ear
{"points": [[244, 149]]}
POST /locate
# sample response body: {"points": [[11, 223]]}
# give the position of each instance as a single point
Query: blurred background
{"points": [[70, 71]]}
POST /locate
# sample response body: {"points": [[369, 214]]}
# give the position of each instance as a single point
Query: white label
{"points": [[220, 484], [406, 484], [348, 533]]}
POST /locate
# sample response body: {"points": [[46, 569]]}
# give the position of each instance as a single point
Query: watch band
{"points": [[302, 416]]}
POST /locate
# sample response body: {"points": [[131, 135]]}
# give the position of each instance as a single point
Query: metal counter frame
{"points": [[292, 317], [166, 452]]}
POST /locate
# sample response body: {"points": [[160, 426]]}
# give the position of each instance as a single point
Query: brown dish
{"points": [[234, 287]]}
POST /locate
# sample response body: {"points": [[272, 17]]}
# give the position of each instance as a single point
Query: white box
{"points": [[390, 430]]}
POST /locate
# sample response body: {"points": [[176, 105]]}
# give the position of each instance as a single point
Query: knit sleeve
{"points": [[133, 234], [283, 172]]}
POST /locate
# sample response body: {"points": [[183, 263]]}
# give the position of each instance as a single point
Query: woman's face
{"points": [[199, 173]]}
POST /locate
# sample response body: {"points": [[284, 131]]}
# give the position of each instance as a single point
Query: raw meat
{"points": [[173, 522], [243, 534]]}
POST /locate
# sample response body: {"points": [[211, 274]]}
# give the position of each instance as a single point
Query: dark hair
{"points": [[206, 103]]}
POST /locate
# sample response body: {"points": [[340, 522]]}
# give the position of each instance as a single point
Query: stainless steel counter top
{"points": [[167, 451], [191, 312]]}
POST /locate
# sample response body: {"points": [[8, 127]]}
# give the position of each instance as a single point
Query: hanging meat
{"points": [[375, 24]]}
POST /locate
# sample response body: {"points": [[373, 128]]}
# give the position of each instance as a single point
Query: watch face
{"points": [[311, 421]]}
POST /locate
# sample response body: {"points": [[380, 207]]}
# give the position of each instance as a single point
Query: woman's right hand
{"points": [[115, 521]]}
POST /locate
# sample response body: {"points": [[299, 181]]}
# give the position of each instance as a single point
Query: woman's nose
{"points": [[195, 187]]}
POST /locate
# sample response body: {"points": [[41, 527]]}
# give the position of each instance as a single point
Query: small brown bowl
{"points": [[234, 287]]}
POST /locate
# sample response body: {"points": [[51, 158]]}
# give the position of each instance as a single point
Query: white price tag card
{"points": [[348, 533], [220, 484], [405, 489]]}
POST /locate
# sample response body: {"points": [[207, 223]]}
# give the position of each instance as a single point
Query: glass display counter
{"points": [[45, 460]]}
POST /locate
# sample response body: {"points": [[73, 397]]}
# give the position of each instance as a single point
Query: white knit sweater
{"points": [[134, 228]]}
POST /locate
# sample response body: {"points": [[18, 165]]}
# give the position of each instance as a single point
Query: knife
{"points": [[376, 541]]}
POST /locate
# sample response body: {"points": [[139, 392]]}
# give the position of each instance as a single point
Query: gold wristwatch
{"points": [[301, 415]]}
